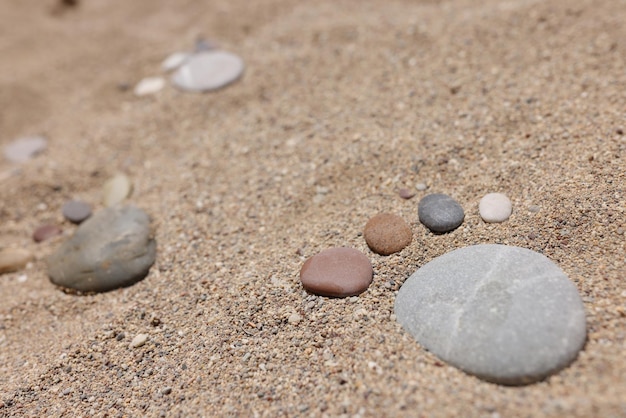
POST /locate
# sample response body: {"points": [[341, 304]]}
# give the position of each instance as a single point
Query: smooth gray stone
{"points": [[25, 148], [505, 314], [440, 213], [208, 70], [114, 248]]}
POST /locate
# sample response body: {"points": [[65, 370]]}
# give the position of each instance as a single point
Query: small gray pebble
{"points": [[440, 213], [76, 211]]}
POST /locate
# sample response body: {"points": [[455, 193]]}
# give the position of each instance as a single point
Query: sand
{"points": [[342, 104]]}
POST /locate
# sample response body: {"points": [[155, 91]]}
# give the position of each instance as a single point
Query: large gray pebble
{"points": [[505, 314], [440, 213], [112, 249]]}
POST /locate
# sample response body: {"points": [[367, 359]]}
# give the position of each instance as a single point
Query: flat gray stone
{"points": [[440, 213], [25, 148], [208, 70], [506, 314], [76, 211], [114, 248]]}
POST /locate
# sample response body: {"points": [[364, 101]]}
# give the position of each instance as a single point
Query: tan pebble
{"points": [[117, 189], [13, 259], [139, 340], [294, 319], [387, 233]]}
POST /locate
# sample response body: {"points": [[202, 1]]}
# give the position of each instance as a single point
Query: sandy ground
{"points": [[342, 104]]}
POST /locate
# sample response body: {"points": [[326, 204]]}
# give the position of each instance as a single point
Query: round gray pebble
{"points": [[112, 249], [440, 213], [76, 211], [505, 314]]}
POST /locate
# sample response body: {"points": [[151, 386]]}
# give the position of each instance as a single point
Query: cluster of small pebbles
{"points": [[205, 69], [111, 249], [388, 233]]}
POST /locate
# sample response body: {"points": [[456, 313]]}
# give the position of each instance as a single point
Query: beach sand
{"points": [[342, 103]]}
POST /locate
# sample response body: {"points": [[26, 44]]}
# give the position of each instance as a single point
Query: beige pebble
{"points": [[387, 233], [13, 259], [149, 85], [139, 340], [116, 189], [294, 319]]}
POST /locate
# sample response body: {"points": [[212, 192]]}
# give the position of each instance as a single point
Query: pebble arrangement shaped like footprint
{"points": [[112, 249], [506, 314]]}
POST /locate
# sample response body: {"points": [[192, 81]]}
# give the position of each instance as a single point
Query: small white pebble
{"points": [[294, 319], [149, 85], [174, 61], [534, 208], [139, 340], [495, 207]]}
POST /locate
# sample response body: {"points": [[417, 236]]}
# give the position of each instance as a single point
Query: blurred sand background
{"points": [[342, 103]]}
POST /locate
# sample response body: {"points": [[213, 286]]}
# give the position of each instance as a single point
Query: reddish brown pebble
{"points": [[45, 232], [76, 211], [387, 233], [338, 272], [406, 193]]}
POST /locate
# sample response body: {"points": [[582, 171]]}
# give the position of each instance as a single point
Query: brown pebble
{"points": [[45, 232], [406, 193], [387, 233], [13, 259], [338, 272]]}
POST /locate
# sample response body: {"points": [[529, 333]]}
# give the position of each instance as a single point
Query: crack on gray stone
{"points": [[484, 281]]}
